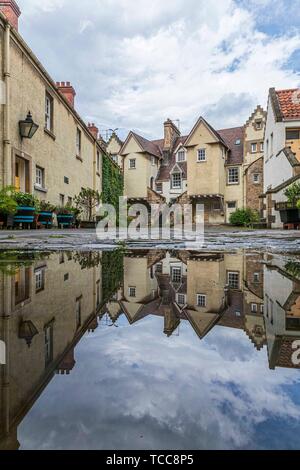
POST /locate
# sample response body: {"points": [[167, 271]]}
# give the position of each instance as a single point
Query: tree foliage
{"points": [[87, 200], [112, 183], [292, 193]]}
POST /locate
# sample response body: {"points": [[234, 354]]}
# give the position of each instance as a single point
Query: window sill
{"points": [[201, 161], [79, 158], [39, 188], [49, 133], [233, 184]]}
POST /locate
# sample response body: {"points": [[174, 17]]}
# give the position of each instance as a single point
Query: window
{"points": [[267, 149], [201, 300], [98, 161], [132, 292], [78, 142], [48, 338], [202, 155], [262, 309], [176, 180], [48, 112], [181, 299], [262, 146], [258, 125], [176, 274], [234, 280], [272, 143], [256, 178], [39, 176], [181, 156], [70, 201], [254, 148], [132, 164], [98, 293], [238, 142], [159, 268], [231, 205], [256, 277], [61, 200], [78, 312], [293, 134], [237, 313], [153, 161], [254, 308], [39, 280], [233, 176], [216, 206], [159, 187], [114, 157], [66, 277], [66, 180]]}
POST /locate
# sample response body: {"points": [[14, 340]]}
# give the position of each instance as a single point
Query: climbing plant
{"points": [[112, 183], [112, 272]]}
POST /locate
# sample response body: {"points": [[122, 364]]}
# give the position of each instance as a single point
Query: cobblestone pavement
{"points": [[216, 239]]}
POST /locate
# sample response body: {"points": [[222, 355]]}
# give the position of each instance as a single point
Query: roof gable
{"points": [[215, 135], [131, 139]]}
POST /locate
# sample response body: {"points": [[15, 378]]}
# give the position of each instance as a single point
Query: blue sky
{"points": [[134, 64]]}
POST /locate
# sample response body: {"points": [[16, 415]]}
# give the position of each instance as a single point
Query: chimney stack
{"points": [[12, 12], [171, 133], [67, 90], [93, 130]]}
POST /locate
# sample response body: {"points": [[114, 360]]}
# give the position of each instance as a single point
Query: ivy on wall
{"points": [[112, 183], [112, 272]]}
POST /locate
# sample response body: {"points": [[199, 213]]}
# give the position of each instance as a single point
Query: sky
{"points": [[136, 63]]}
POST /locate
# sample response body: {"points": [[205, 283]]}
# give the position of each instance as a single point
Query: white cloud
{"points": [[138, 63]]}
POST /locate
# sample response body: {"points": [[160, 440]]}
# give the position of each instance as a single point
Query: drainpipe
{"points": [[94, 172], [6, 140]]}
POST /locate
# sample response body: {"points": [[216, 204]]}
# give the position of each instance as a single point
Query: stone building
{"points": [[64, 154]]}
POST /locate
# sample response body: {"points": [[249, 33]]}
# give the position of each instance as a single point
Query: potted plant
{"points": [[28, 205], [65, 216], [8, 205], [87, 200], [46, 211], [289, 211]]}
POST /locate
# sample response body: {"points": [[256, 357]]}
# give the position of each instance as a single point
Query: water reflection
{"points": [[208, 303]]}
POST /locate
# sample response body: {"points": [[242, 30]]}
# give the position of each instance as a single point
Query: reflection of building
{"points": [[282, 313], [45, 308]]}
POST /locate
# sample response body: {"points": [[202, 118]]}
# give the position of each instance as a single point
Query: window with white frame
{"points": [[262, 146], [233, 279], [159, 268], [78, 142], [181, 299], [256, 178], [202, 155], [256, 277], [262, 309], [39, 176], [132, 292], [254, 147], [39, 280], [254, 308], [98, 293], [176, 181], [132, 164], [233, 175], [181, 156], [114, 157], [176, 274], [153, 161], [238, 142], [78, 312], [159, 187], [258, 125], [98, 161], [48, 112], [201, 300]]}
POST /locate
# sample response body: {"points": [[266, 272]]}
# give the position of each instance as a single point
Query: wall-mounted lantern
{"points": [[28, 127], [27, 331]]}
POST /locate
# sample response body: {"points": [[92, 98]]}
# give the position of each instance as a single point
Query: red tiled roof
{"points": [[289, 103], [230, 137]]}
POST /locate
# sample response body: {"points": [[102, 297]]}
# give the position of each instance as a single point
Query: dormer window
{"points": [[181, 156]]}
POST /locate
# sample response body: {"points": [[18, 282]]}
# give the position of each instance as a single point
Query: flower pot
{"points": [[45, 218], [290, 216], [24, 216], [65, 220]]}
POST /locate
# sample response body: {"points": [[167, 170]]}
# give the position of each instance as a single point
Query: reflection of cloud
{"points": [[146, 61], [134, 388]]}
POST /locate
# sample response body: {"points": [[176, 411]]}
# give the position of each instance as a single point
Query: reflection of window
{"points": [[262, 308], [176, 180], [39, 280], [262, 146], [256, 178], [256, 277], [181, 299], [201, 300], [159, 187], [132, 292], [176, 274], [234, 280], [159, 268], [233, 176], [254, 148], [98, 292], [78, 312], [48, 344], [254, 308]]}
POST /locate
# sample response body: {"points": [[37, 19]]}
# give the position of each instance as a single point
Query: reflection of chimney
{"points": [[67, 90], [171, 133], [67, 364], [12, 12], [93, 130]]}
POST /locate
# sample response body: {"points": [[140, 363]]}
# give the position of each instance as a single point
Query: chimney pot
{"points": [[93, 130], [67, 90], [12, 12]]}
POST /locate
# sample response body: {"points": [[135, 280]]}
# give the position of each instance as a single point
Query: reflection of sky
{"points": [[132, 388]]}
